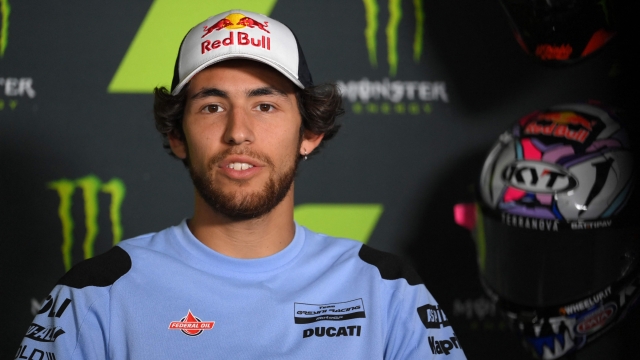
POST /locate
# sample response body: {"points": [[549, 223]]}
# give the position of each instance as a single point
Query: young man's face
{"points": [[242, 137]]}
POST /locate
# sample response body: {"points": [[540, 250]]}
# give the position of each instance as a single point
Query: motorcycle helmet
{"points": [[558, 247], [561, 31]]}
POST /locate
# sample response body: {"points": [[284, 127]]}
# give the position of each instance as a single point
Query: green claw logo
{"points": [[91, 186], [395, 15], [5, 10]]}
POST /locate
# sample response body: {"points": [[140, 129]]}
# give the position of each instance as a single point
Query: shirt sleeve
{"points": [[69, 325], [419, 329]]}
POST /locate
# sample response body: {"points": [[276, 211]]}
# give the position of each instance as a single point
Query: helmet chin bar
{"points": [[554, 331]]}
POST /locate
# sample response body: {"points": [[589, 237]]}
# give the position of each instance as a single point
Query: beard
{"points": [[238, 205]]}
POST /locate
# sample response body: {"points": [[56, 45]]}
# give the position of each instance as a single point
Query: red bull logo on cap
{"points": [[236, 21], [232, 22], [562, 124]]}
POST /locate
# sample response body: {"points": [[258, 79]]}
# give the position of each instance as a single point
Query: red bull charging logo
{"points": [[565, 124], [233, 22]]}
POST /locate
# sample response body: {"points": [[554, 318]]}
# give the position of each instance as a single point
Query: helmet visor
{"points": [[535, 262]]}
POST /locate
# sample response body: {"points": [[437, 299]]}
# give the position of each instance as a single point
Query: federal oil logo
{"points": [[191, 325]]}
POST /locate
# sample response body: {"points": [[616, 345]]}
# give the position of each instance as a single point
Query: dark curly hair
{"points": [[319, 107]]}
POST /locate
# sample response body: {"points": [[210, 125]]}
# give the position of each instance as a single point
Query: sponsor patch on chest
{"points": [[310, 313]]}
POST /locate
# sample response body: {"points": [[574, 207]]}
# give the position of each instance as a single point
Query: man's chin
{"points": [[242, 207]]}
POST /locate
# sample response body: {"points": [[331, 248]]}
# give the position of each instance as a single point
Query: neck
{"points": [[247, 238]]}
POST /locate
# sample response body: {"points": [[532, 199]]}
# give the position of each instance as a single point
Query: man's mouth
{"points": [[239, 166]]}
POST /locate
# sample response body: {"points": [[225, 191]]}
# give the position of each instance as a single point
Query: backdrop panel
{"points": [[427, 85]]}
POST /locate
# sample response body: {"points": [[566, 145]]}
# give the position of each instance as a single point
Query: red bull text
{"points": [[242, 39], [557, 125]]}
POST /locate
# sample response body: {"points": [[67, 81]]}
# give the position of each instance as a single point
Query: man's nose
{"points": [[238, 129]]}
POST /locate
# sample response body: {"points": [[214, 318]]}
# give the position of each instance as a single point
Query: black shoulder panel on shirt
{"points": [[391, 267], [102, 270]]}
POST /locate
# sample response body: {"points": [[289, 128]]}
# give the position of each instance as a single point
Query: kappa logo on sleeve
{"points": [[443, 346], [191, 325], [432, 316], [310, 313]]}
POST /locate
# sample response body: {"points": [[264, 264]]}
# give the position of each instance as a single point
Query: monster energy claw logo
{"points": [[91, 186], [5, 9], [395, 15]]}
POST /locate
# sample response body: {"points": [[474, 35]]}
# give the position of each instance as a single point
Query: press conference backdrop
{"points": [[427, 85]]}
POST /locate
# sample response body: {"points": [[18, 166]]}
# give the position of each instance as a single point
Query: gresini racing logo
{"points": [[432, 316], [91, 187], [395, 17], [310, 313], [191, 325]]}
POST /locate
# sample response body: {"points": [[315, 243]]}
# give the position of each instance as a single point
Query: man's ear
{"points": [[177, 144], [310, 141]]}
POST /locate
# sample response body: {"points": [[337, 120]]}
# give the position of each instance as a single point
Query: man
{"points": [[241, 280]]}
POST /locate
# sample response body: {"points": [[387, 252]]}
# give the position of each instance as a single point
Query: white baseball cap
{"points": [[240, 34]]}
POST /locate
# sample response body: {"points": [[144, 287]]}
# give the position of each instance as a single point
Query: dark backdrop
{"points": [[67, 124]]}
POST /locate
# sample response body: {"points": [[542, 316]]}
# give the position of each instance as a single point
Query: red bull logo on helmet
{"points": [[554, 52], [233, 22], [563, 124]]}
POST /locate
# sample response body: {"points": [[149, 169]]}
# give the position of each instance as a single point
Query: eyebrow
{"points": [[266, 90], [207, 92], [262, 91]]}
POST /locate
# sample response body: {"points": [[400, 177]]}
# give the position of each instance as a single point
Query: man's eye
{"points": [[212, 109], [265, 107]]}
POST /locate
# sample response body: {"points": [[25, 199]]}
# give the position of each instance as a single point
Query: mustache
{"points": [[240, 151]]}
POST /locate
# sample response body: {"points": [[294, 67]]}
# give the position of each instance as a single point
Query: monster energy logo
{"points": [[395, 15], [5, 9], [91, 186]]}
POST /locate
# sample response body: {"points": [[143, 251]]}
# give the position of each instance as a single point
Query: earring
{"points": [[305, 155]]}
